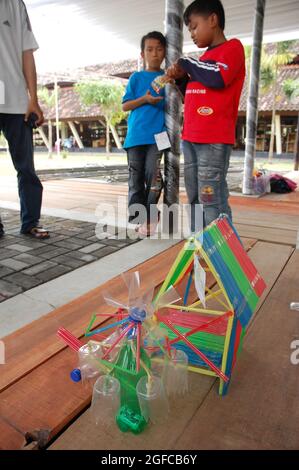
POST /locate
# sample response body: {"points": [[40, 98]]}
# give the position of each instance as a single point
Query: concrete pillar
{"points": [[278, 134], [76, 135], [57, 116], [63, 131], [174, 35], [116, 136], [252, 103], [44, 137]]}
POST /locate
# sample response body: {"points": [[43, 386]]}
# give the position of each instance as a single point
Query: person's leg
{"points": [[19, 137], [213, 162], [226, 209], [153, 182], [136, 166], [191, 185]]}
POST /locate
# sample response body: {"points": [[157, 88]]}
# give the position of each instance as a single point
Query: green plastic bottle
{"points": [[129, 417]]}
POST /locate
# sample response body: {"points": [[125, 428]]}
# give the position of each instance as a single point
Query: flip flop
{"points": [[38, 233], [142, 230], [148, 229]]}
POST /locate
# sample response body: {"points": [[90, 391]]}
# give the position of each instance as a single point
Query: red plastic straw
{"points": [[201, 327], [131, 325], [197, 351], [71, 340]]}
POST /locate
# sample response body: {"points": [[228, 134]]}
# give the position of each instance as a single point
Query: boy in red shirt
{"points": [[214, 85]]}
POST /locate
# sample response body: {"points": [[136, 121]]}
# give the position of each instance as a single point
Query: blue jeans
{"points": [[19, 137], [145, 181], [206, 167]]}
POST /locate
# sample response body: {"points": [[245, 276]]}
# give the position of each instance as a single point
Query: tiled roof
{"points": [[69, 102], [266, 98], [70, 106], [122, 68]]}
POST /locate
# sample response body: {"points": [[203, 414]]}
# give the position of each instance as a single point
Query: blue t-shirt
{"points": [[146, 120]]}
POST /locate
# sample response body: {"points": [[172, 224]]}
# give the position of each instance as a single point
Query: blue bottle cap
{"points": [[76, 375]]}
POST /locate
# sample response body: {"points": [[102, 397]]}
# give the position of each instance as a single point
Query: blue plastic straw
{"points": [[105, 328], [236, 297], [188, 288]]}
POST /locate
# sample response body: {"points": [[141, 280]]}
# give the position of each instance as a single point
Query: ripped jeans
{"points": [[206, 167], [145, 182]]}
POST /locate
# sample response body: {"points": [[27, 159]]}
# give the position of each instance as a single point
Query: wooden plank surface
{"points": [[83, 434], [10, 438], [37, 342], [80, 193], [286, 237], [266, 219], [261, 411]]}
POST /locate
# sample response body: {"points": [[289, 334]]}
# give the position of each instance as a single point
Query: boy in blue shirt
{"points": [[145, 120]]}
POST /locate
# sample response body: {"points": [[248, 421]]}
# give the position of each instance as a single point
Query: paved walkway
{"points": [[26, 263]]}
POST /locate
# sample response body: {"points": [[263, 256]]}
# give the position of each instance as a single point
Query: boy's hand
{"points": [[175, 72], [150, 99], [34, 108]]}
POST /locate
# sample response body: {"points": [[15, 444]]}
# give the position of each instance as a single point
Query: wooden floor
{"points": [[40, 405]]}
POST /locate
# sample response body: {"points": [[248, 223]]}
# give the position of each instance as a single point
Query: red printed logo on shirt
{"points": [[205, 111]]}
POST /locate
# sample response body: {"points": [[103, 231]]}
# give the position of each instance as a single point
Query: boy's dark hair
{"points": [[206, 8], [153, 35]]}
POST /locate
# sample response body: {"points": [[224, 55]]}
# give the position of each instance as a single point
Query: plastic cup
{"points": [[89, 356], [152, 399], [175, 373], [105, 400]]}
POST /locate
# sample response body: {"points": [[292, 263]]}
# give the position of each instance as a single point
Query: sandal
{"points": [[148, 229], [38, 233]]}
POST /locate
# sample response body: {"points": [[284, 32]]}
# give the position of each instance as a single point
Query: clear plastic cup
{"points": [[105, 400], [175, 373], [89, 356], [152, 399]]}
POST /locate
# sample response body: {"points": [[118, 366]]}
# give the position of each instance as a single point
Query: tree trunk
{"points": [[252, 103]]}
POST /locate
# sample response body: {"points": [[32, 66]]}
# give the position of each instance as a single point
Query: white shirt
{"points": [[16, 36]]}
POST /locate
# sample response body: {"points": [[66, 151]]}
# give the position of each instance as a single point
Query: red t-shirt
{"points": [[210, 114]]}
